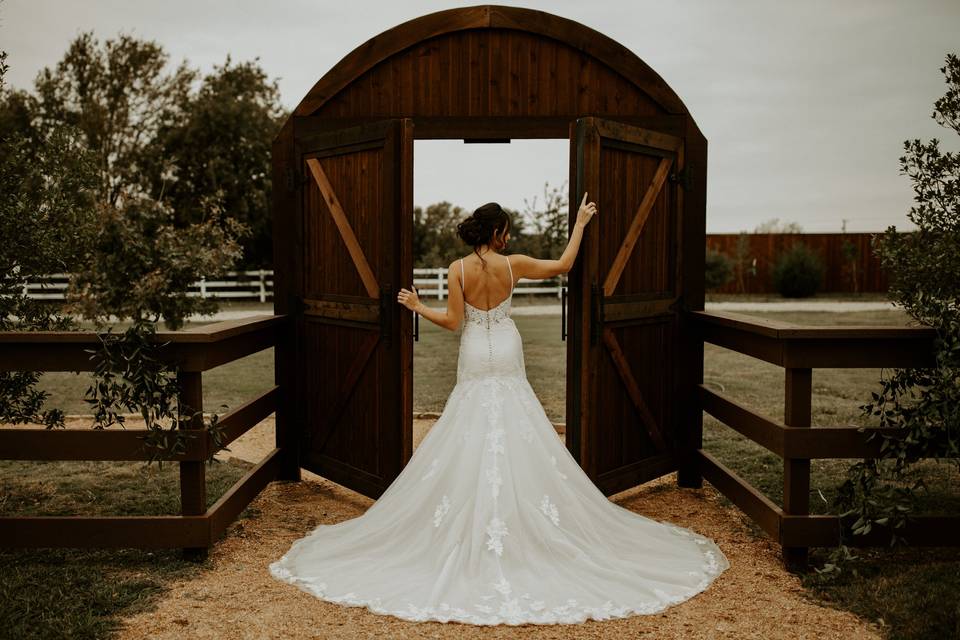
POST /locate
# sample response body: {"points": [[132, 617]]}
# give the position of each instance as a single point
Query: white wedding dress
{"points": [[492, 521]]}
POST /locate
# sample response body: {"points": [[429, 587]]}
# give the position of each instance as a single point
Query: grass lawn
{"points": [[88, 589]]}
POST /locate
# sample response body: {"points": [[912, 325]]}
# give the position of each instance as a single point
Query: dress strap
{"points": [[511, 273], [463, 277]]}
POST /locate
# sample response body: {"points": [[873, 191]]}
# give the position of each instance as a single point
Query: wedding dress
{"points": [[492, 521]]}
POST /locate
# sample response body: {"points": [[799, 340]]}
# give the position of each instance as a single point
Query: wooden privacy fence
{"points": [[861, 274], [196, 351], [799, 349]]}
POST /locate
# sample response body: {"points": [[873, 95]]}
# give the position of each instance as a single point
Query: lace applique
{"points": [[512, 611], [432, 470], [503, 586], [494, 479], [496, 530], [441, 510], [550, 510], [485, 319], [494, 436], [553, 460]]}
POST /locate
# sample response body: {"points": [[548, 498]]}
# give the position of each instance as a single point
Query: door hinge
{"points": [[683, 177]]}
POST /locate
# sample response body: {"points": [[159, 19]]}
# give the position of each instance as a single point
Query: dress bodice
{"points": [[487, 317]]}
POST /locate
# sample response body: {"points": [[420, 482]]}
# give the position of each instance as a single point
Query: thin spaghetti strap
{"points": [[463, 277], [511, 273]]}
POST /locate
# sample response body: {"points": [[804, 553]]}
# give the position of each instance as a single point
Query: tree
{"points": [[222, 143], [925, 280], [550, 222], [119, 97], [47, 186], [773, 225]]}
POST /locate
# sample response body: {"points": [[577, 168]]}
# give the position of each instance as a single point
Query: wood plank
{"points": [[347, 387], [754, 504], [636, 226], [105, 532], [759, 428], [346, 231], [487, 127], [193, 478], [236, 498], [339, 310], [633, 389], [88, 444], [241, 419]]}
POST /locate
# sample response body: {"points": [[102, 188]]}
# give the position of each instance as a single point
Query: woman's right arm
{"points": [[537, 269]]}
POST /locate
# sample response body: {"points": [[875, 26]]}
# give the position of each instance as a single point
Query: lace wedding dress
{"points": [[492, 521]]}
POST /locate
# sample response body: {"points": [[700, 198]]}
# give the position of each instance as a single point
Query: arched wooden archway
{"points": [[343, 191]]}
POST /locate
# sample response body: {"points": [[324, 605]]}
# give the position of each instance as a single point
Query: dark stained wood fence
{"points": [[799, 349], [842, 275], [197, 527]]}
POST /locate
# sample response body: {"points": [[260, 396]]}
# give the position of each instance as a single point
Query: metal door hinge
{"points": [[683, 177]]}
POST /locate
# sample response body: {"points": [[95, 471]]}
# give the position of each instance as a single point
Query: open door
{"points": [[623, 338], [355, 347]]}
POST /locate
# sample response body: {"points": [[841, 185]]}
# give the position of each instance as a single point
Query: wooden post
{"points": [[193, 481], [440, 275], [796, 471]]}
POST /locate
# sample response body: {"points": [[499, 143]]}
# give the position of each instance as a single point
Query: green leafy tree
{"points": [[925, 280], [718, 269], [550, 222], [798, 272], [120, 97], [221, 143], [47, 192]]}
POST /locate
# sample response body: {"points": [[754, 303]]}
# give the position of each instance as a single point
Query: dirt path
{"points": [[238, 598]]}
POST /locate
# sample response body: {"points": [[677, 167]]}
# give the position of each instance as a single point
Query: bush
{"points": [[718, 270], [798, 272]]}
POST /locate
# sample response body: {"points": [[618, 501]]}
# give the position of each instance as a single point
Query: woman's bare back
{"points": [[485, 287]]}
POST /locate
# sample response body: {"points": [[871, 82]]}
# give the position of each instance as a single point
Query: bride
{"points": [[492, 521]]}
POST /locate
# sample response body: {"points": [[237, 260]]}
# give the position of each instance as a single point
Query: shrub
{"points": [[718, 269], [798, 272]]}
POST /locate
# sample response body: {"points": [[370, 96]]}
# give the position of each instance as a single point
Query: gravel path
{"points": [[238, 598]]}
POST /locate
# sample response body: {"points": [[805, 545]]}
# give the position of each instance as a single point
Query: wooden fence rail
{"points": [[799, 349], [195, 351]]}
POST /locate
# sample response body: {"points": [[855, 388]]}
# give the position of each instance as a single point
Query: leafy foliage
{"points": [[719, 269], [222, 143], [798, 272], [119, 97], [69, 202], [140, 265], [46, 217], [924, 402]]}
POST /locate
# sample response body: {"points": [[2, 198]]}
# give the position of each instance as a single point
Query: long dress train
{"points": [[492, 521]]}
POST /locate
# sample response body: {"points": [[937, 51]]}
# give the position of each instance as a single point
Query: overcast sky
{"points": [[805, 105]]}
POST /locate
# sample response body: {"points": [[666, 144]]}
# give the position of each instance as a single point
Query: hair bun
{"points": [[470, 231]]}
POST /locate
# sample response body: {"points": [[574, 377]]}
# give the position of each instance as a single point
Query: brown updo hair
{"points": [[478, 229]]}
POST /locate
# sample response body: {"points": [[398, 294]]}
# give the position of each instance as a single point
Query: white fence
{"points": [[258, 285]]}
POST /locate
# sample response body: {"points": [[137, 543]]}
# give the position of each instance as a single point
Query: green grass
{"points": [[912, 590], [68, 593]]}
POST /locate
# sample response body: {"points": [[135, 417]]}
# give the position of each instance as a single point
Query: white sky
{"points": [[805, 105]]}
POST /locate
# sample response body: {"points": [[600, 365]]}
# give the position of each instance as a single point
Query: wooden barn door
{"points": [[355, 352], [622, 351]]}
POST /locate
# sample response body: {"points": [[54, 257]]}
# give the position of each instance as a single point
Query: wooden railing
{"points": [[196, 351], [799, 349]]}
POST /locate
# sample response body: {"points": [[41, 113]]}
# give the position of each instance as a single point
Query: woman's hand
{"points": [[586, 211], [409, 299]]}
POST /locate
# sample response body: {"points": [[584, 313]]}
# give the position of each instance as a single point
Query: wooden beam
{"points": [[633, 389], [636, 226], [139, 532], [346, 231], [347, 385], [235, 500]]}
